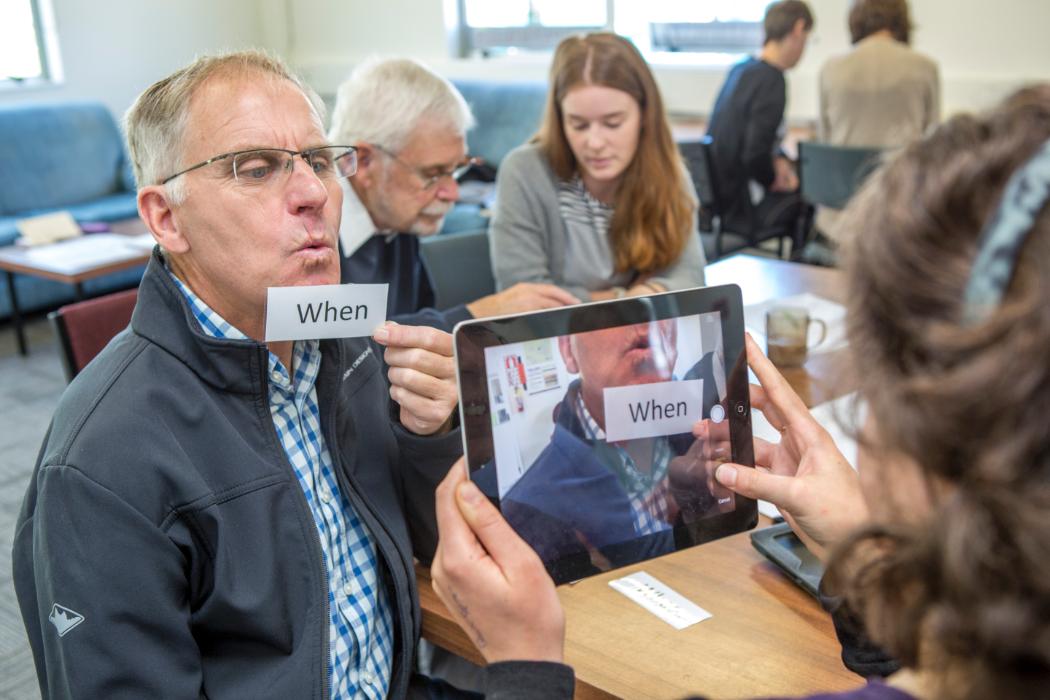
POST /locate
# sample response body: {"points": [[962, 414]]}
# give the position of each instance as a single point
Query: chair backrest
{"points": [[699, 162], [84, 328], [830, 175], [459, 266], [507, 115]]}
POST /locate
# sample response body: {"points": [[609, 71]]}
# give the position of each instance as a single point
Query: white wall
{"points": [[984, 48], [111, 50]]}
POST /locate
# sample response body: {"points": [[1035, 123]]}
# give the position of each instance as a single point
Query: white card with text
{"points": [[324, 311], [651, 410], [658, 598]]}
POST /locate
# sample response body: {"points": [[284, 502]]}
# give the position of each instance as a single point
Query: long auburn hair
{"points": [[654, 212], [966, 594]]}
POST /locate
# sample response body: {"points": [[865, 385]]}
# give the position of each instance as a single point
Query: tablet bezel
{"points": [[470, 338]]}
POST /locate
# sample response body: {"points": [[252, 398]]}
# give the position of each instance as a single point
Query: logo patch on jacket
{"points": [[64, 619], [360, 358]]}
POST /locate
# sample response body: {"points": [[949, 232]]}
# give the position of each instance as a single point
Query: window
{"points": [[717, 30], [24, 42], [508, 26]]}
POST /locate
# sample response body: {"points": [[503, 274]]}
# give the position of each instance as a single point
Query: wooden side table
{"points": [[16, 260]]}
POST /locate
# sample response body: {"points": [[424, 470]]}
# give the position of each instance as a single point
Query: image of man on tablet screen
{"points": [[631, 443]]}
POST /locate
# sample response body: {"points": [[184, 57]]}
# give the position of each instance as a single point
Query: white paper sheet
{"points": [[660, 599], [83, 253]]}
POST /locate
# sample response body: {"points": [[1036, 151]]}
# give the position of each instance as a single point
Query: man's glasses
{"points": [[427, 178], [261, 166]]}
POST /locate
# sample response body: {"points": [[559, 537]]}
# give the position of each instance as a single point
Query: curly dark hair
{"points": [[869, 16], [967, 594]]}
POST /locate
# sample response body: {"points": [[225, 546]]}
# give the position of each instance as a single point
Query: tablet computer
{"points": [[783, 547], [596, 428]]}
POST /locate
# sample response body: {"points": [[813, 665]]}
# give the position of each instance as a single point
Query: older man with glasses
{"points": [[409, 128], [212, 515]]}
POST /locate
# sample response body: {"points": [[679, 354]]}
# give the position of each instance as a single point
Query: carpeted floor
{"points": [[29, 391]]}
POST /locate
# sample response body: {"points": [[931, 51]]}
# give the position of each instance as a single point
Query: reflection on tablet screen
{"points": [[605, 441]]}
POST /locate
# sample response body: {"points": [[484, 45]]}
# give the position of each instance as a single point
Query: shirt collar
{"points": [[305, 358], [211, 323], [356, 226], [587, 422]]}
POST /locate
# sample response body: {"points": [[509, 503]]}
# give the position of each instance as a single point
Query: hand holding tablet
{"points": [[597, 428]]}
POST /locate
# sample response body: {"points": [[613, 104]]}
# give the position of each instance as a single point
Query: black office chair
{"points": [[460, 267], [715, 239], [829, 176], [699, 157]]}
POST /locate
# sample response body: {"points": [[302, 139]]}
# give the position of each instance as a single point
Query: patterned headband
{"points": [[1002, 238]]}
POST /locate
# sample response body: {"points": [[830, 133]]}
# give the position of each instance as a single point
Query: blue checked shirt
{"points": [[648, 493], [361, 622]]}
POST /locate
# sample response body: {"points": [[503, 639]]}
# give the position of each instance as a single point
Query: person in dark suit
{"points": [[409, 127]]}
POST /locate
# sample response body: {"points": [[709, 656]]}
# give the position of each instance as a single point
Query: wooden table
{"points": [[765, 637], [15, 260]]}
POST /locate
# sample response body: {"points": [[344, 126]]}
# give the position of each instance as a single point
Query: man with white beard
{"points": [[409, 127]]}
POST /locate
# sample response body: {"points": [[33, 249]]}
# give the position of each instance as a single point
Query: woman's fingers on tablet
{"points": [[760, 402], [765, 453], [758, 484], [779, 403]]}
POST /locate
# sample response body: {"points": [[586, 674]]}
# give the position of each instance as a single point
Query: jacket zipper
{"points": [[318, 549], [362, 506]]}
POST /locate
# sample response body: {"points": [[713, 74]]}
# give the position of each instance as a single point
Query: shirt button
{"points": [[348, 589], [368, 677], [326, 495]]}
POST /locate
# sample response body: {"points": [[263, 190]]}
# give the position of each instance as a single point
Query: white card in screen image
{"points": [[652, 410]]}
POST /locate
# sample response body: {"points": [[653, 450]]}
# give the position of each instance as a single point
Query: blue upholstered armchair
{"points": [[62, 156], [507, 115]]}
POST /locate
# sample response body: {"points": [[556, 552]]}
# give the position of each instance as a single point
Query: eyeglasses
{"points": [[261, 166], [429, 182]]}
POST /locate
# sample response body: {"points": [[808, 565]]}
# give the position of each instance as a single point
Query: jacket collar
{"points": [[163, 316]]}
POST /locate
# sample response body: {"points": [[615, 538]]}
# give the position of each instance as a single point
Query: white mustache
{"points": [[437, 209]]}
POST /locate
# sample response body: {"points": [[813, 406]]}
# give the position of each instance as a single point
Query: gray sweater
{"points": [[528, 235]]}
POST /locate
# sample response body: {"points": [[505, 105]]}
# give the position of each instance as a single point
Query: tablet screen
{"points": [[600, 443]]}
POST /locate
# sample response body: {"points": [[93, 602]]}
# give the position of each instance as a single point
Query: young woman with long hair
{"points": [[600, 202]]}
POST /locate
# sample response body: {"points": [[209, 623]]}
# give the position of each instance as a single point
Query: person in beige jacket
{"points": [[882, 94]]}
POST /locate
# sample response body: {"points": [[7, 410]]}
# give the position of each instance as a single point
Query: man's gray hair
{"points": [[384, 101], [156, 123]]}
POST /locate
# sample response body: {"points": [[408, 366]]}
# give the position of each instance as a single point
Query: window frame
{"points": [[46, 40], [470, 41]]}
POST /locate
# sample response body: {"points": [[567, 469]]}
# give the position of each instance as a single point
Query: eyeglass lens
{"points": [[265, 165]]}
